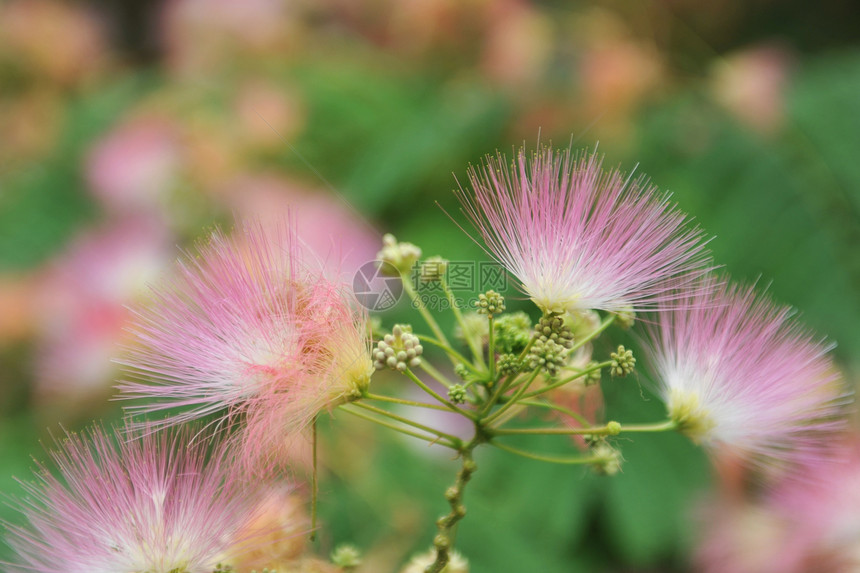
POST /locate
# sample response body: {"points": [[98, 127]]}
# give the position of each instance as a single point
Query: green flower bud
{"points": [[346, 556], [399, 350], [552, 327], [490, 303], [401, 256], [457, 393], [623, 362]]}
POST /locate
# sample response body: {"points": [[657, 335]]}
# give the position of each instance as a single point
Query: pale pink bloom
{"points": [[823, 511], [133, 167], [81, 303], [159, 503], [518, 45], [249, 326], [735, 370], [330, 228], [578, 237], [743, 537], [812, 524], [752, 85]]}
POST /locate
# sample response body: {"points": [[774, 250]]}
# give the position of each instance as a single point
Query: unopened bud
{"points": [[401, 256], [623, 362]]}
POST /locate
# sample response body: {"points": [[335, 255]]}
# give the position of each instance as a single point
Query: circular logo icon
{"points": [[375, 287]]}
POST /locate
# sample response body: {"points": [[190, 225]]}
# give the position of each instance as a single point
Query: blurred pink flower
{"points": [[249, 325], [133, 167], [580, 238], [158, 503], [268, 115], [808, 524], [81, 310], [751, 84], [518, 45], [735, 370], [333, 231]]}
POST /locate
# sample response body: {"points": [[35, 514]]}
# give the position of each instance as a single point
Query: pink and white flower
{"points": [[249, 326], [581, 238], [158, 503], [735, 370]]}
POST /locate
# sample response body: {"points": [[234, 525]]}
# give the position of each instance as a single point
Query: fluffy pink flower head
{"points": [[578, 237], [249, 327], [154, 503], [800, 526], [735, 370]]}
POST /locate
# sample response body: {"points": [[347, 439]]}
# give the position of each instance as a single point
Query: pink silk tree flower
{"points": [[736, 371], [578, 237], [249, 327], [804, 525], [156, 502]]}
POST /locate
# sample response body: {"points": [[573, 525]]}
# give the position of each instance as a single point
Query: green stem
{"points": [[450, 351], [567, 380], [491, 350], [474, 346], [380, 398], [528, 347], [498, 390], [396, 428], [594, 333], [438, 376], [444, 541], [606, 430], [314, 481], [451, 406], [656, 427], [540, 404], [406, 421], [510, 403], [428, 318], [551, 459]]}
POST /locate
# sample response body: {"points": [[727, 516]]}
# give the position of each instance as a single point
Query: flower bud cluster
{"points": [[609, 458], [592, 377], [490, 303], [457, 393], [399, 350], [512, 332], [548, 356], [623, 362], [508, 364], [346, 556], [552, 327], [399, 255]]}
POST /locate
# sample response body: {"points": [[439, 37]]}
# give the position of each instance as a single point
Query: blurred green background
{"points": [[129, 129]]}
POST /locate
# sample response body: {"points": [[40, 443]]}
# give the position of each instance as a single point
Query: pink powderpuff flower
{"points": [[81, 307], [735, 370], [158, 502], [249, 327], [799, 526], [580, 238], [133, 168]]}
